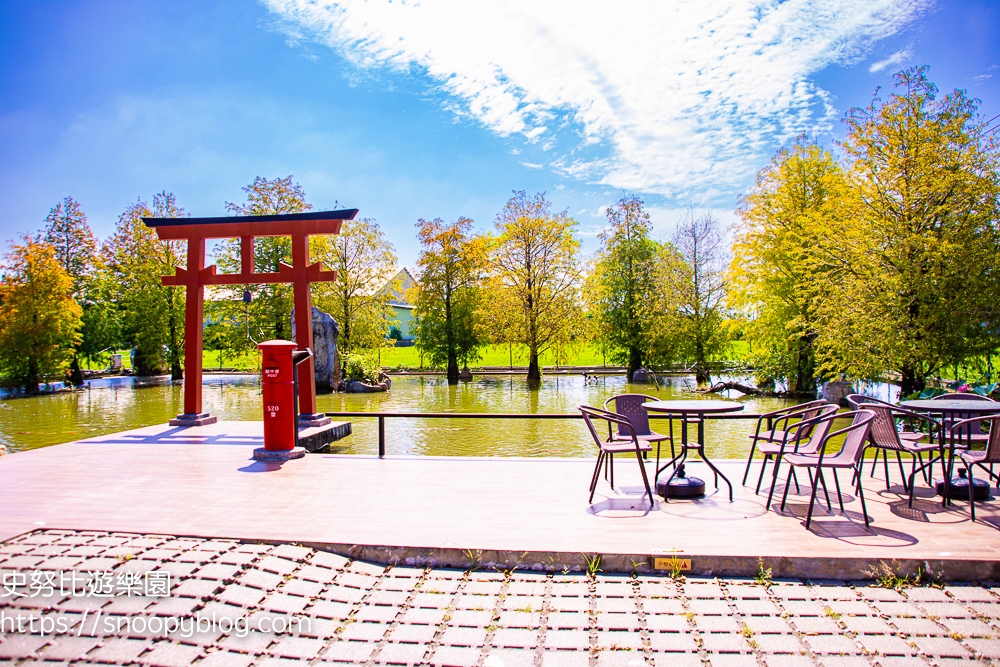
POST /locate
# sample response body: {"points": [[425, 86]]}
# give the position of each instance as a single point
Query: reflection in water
{"points": [[118, 404], [115, 405]]}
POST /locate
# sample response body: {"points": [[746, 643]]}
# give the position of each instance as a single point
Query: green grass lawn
{"points": [[497, 355], [410, 358], [517, 355], [248, 361], [399, 357]]}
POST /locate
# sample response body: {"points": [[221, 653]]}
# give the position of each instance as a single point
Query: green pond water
{"points": [[118, 404]]}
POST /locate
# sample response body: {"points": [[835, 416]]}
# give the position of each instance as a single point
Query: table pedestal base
{"points": [[680, 486], [959, 488]]}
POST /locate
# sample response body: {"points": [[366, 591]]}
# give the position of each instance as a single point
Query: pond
{"points": [[121, 403]]}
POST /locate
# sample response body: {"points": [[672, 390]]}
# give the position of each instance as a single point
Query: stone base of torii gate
{"points": [[299, 226]]}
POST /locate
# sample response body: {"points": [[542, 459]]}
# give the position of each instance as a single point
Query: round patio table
{"points": [[951, 410], [692, 412]]}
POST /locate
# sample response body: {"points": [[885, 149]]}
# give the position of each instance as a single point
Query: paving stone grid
{"points": [[365, 614]]}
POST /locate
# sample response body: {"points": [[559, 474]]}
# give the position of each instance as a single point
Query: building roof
{"points": [[406, 281], [342, 214]]}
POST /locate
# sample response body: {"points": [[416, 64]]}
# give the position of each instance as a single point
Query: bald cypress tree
{"points": [[917, 278]]}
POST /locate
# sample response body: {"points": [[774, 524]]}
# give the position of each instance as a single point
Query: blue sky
{"points": [[441, 108]]}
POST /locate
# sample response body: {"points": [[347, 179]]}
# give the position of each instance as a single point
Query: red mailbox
{"points": [[278, 384]]}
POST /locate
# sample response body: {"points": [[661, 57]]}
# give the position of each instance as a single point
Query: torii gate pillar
{"points": [[299, 226], [302, 298]]}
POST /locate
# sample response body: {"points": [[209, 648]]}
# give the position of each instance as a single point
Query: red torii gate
{"points": [[301, 273]]}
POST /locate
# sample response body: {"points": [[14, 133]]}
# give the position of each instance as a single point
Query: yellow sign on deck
{"points": [[681, 564]]}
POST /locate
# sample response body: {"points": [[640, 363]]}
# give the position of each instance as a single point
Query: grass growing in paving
{"points": [[339, 610]]}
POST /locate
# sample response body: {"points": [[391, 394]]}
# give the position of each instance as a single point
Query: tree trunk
{"points": [[534, 370], [804, 380], [176, 368], [450, 333], [702, 376], [75, 374], [738, 386], [634, 361], [31, 379], [909, 381]]}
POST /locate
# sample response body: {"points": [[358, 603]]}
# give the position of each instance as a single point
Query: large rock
{"points": [[641, 376], [324, 347], [358, 387], [836, 391]]}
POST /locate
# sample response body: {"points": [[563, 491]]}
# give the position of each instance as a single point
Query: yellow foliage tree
{"points": [[536, 275], [886, 266], [452, 267], [268, 315], [777, 275], [360, 298], [39, 319], [917, 281], [151, 314], [622, 287]]}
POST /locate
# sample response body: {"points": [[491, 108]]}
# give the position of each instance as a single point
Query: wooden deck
{"points": [[202, 482]]}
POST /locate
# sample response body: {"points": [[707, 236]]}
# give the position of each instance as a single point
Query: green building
{"points": [[402, 308]]}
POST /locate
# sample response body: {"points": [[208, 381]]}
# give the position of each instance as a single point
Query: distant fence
{"points": [[714, 367]]}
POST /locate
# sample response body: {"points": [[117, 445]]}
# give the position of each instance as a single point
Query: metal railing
{"points": [[382, 416]]}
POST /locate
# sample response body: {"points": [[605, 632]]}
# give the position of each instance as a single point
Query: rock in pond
{"points": [[358, 387]]}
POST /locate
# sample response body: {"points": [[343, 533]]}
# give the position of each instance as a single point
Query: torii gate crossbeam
{"points": [[299, 226]]}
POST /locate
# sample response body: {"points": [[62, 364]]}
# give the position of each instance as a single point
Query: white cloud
{"points": [[898, 58], [532, 165], [686, 98]]}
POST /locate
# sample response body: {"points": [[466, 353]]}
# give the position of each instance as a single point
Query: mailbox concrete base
{"points": [[262, 454], [200, 419], [318, 419], [318, 438]]}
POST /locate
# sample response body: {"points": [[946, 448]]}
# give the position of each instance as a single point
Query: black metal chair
{"points": [[972, 458], [612, 446], [971, 431], [778, 424], [805, 437], [849, 456], [884, 437], [906, 432], [630, 407]]}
